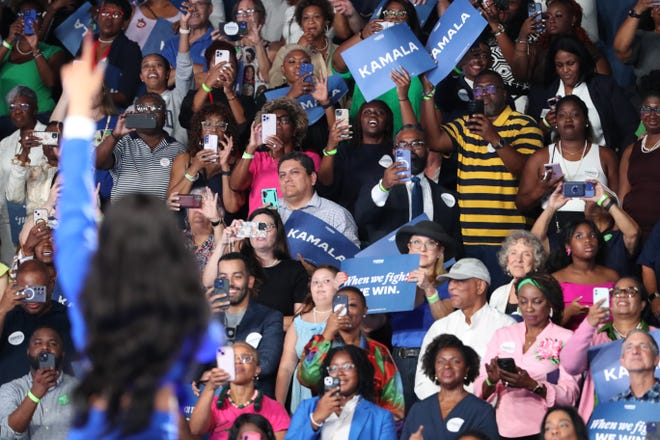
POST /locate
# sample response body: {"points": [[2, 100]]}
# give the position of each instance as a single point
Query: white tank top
{"points": [[588, 167]]}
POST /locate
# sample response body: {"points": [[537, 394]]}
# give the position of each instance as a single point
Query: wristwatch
{"points": [[633, 14], [500, 144], [500, 30], [538, 389]]}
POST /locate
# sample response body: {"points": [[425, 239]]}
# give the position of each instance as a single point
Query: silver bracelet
{"points": [[311, 419]]}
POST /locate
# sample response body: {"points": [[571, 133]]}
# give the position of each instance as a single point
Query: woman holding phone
{"points": [[625, 308], [347, 407], [343, 328], [257, 169], [521, 365], [215, 411], [572, 157]]}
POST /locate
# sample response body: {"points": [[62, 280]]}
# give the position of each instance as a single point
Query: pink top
{"points": [[222, 419], [586, 291], [562, 388], [575, 360], [264, 175]]}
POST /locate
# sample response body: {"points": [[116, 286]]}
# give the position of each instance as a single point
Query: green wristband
{"points": [[206, 88], [33, 398]]}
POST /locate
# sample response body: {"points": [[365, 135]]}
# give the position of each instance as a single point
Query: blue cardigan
{"points": [[369, 422]]}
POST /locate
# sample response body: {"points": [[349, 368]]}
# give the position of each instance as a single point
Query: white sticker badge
{"points": [[165, 162], [16, 338], [454, 424], [508, 346]]}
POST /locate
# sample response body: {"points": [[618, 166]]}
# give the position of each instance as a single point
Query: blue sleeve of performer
{"points": [[76, 235]]}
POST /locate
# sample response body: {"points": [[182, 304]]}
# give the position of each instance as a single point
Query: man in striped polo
{"points": [[140, 160], [492, 150]]}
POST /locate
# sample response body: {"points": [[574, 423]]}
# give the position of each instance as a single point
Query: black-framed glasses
{"points": [[148, 108], [207, 125], [481, 91], [417, 144], [112, 13], [20, 106], [262, 226], [624, 292], [332, 369], [648, 109], [392, 13]]}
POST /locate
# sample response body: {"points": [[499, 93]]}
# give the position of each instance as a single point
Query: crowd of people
{"points": [[153, 181]]}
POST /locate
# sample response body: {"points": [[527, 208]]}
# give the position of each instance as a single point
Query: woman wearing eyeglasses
{"points": [[121, 55], [346, 406], [199, 167], [628, 309], [639, 178], [216, 411], [257, 169], [394, 12], [344, 328]]}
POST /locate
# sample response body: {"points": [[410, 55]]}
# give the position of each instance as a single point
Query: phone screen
{"points": [[340, 300]]}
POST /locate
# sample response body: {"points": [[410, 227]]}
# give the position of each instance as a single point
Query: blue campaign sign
{"points": [[337, 88], [383, 281], [622, 420], [317, 241], [17, 216], [372, 60], [160, 34], [610, 378], [70, 32], [452, 36], [387, 244]]}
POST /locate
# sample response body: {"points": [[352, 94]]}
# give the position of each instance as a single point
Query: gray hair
{"points": [[25, 92], [652, 343], [527, 239]]}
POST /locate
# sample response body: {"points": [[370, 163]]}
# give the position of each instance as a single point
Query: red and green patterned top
{"points": [[387, 381]]}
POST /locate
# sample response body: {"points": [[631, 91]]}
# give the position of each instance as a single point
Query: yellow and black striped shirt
{"points": [[486, 189]]}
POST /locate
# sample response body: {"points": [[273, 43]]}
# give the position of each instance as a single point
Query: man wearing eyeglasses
{"points": [[492, 145], [140, 160], [404, 192]]}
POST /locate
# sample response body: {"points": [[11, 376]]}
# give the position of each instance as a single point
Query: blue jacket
{"points": [[369, 422]]}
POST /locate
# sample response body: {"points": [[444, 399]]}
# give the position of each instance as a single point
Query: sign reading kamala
{"points": [[622, 420], [337, 88], [383, 281], [452, 36], [317, 241], [610, 378], [70, 32], [372, 60]]}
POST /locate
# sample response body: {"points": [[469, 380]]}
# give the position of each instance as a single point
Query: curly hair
{"points": [[551, 289], [308, 302], [257, 420], [196, 140], [281, 251], [363, 368], [145, 309], [578, 424], [572, 45], [528, 239], [324, 5], [358, 139], [470, 357], [294, 111]]}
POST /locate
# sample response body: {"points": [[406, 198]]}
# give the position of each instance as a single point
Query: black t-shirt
{"points": [[18, 328], [284, 284]]}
